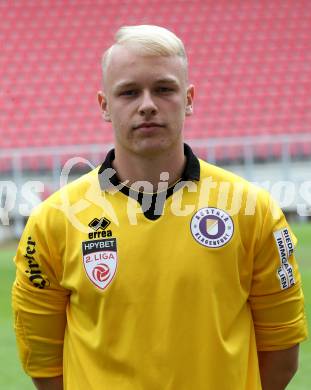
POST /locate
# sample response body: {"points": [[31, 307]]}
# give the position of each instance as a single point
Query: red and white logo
{"points": [[101, 272], [100, 261]]}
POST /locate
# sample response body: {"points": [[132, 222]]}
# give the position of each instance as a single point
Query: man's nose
{"points": [[147, 105]]}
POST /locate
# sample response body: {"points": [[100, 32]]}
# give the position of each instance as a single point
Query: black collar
{"points": [[155, 202], [191, 171]]}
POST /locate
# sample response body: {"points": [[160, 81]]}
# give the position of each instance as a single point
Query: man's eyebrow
{"points": [[167, 80], [131, 84], [125, 84]]}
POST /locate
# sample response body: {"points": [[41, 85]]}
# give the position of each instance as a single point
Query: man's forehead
{"points": [[127, 82], [123, 61], [134, 54]]}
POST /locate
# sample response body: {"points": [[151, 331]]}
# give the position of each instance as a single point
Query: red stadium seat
{"points": [[249, 62]]}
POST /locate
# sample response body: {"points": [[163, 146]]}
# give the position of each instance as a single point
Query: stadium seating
{"points": [[250, 62]]}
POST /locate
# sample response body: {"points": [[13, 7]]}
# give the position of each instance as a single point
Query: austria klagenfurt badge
{"points": [[212, 227], [100, 261]]}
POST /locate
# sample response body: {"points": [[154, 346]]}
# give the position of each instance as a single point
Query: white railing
{"points": [[284, 167]]}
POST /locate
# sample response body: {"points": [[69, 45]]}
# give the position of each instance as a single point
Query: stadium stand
{"points": [[249, 60]]}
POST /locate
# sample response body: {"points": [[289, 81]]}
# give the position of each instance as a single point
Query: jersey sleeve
{"points": [[276, 297], [39, 301]]}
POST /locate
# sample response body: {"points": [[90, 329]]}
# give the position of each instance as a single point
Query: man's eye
{"points": [[164, 90], [130, 92]]}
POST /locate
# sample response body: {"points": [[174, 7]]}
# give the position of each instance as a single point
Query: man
{"points": [[138, 275]]}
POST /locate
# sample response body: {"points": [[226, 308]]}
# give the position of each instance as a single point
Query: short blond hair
{"points": [[150, 39]]}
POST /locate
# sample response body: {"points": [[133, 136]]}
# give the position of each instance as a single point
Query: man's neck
{"points": [[134, 167]]}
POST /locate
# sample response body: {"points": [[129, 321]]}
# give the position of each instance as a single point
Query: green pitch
{"points": [[13, 378]]}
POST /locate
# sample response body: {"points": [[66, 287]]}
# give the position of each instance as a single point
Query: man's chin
{"points": [[152, 148]]}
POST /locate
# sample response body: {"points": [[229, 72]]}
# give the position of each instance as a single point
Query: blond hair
{"points": [[150, 39]]}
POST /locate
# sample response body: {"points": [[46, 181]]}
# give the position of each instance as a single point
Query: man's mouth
{"points": [[148, 124]]}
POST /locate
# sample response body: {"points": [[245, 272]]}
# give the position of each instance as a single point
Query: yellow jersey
{"points": [[180, 295]]}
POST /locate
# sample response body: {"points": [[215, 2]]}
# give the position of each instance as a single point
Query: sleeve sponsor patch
{"points": [[285, 247]]}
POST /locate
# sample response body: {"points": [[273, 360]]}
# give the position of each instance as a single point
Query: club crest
{"points": [[100, 261], [212, 227]]}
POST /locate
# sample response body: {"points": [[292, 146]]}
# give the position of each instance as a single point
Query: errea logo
{"points": [[99, 226]]}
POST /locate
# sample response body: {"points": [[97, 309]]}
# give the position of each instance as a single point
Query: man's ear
{"points": [[102, 100], [190, 96]]}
